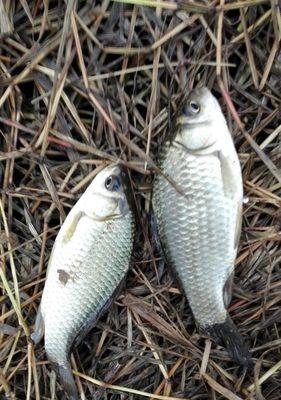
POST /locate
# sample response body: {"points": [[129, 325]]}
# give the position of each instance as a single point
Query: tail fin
{"points": [[67, 380], [227, 334]]}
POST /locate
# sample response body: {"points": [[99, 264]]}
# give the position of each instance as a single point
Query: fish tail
{"points": [[227, 334], [67, 380]]}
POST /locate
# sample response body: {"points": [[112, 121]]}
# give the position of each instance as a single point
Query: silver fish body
{"points": [[199, 216], [90, 258]]}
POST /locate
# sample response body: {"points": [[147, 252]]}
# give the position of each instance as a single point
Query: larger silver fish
{"points": [[198, 213], [90, 258]]}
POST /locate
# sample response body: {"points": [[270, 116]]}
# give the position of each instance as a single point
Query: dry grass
{"points": [[89, 83]]}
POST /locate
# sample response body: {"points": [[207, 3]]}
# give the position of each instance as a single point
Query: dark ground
{"points": [[99, 82]]}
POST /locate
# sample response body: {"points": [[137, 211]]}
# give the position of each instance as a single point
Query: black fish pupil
{"points": [[194, 107], [108, 182], [112, 183]]}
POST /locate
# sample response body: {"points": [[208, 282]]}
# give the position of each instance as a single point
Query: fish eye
{"points": [[112, 183], [194, 107]]}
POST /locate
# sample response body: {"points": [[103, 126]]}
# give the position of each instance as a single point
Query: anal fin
{"points": [[39, 328]]}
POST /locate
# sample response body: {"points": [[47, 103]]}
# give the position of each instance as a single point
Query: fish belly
{"points": [[82, 277], [196, 226]]}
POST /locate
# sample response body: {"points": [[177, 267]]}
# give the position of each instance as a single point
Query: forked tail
{"points": [[227, 334], [67, 380]]}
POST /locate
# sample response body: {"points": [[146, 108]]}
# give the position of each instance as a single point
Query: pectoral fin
{"points": [[238, 226], [70, 225], [232, 187], [227, 290], [231, 176]]}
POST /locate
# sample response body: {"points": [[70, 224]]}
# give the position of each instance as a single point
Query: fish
{"points": [[197, 199], [88, 263]]}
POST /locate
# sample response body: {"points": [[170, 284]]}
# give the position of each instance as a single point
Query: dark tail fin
{"points": [[227, 334], [67, 380]]}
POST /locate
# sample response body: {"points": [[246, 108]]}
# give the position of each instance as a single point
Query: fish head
{"points": [[107, 197], [201, 122]]}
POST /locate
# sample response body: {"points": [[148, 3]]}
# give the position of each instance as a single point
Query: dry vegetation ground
{"points": [[88, 83]]}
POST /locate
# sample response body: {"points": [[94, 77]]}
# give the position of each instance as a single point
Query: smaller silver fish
{"points": [[89, 261]]}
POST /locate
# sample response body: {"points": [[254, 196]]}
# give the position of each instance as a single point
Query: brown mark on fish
{"points": [[63, 276]]}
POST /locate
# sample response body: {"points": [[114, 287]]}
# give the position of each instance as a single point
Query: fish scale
{"points": [[93, 278], [194, 233], [197, 200], [90, 259]]}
